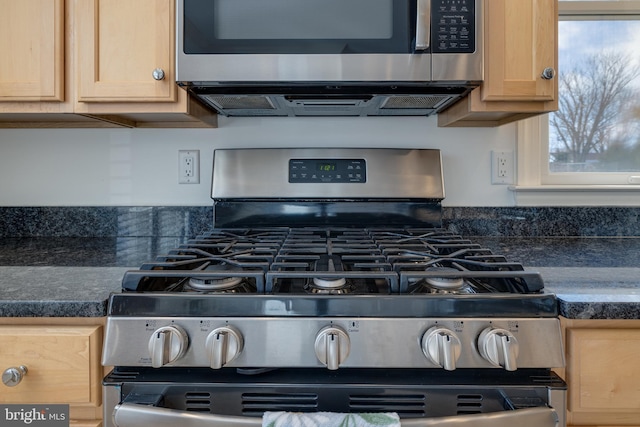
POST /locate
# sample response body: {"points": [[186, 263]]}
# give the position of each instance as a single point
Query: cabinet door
{"points": [[120, 43], [603, 376], [32, 50], [63, 364], [520, 43]]}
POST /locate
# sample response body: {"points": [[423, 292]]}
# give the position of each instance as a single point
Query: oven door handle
{"points": [[136, 415]]}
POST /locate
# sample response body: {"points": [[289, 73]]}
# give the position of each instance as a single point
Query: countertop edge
{"points": [[61, 309]]}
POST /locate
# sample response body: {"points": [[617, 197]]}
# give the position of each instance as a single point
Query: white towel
{"points": [[330, 419]]}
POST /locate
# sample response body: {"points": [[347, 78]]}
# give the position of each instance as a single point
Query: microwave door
{"points": [[279, 27]]}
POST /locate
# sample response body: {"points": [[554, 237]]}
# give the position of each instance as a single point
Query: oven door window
{"points": [[299, 26]]}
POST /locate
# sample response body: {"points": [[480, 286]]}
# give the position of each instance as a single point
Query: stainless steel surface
{"points": [[158, 74], [374, 342], [456, 67], [132, 415], [548, 73], [423, 25], [557, 399], [272, 68], [12, 376], [264, 173], [111, 397]]}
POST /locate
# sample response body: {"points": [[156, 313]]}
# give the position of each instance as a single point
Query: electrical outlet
{"points": [[188, 166], [502, 170]]}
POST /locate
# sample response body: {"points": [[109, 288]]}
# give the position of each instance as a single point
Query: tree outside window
{"points": [[597, 126]]}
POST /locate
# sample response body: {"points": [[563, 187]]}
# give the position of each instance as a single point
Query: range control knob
{"points": [[499, 347], [332, 346], [223, 345], [167, 345], [442, 347]]}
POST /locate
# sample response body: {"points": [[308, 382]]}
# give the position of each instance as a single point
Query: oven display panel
{"points": [[327, 170]]}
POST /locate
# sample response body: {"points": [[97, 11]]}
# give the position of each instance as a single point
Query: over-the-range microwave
{"points": [[329, 57]]}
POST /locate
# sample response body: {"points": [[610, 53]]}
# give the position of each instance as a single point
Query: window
{"points": [[594, 137]]}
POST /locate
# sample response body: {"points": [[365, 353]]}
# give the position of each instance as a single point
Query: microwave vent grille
{"points": [[413, 101], [249, 102]]}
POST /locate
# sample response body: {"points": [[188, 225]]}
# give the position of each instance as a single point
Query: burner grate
{"points": [[334, 261]]}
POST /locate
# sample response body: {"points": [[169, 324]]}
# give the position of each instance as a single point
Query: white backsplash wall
{"points": [[138, 167]]}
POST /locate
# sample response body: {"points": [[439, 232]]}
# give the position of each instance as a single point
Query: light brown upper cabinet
{"points": [[33, 62], [521, 56], [92, 63], [32, 49], [123, 51], [126, 66]]}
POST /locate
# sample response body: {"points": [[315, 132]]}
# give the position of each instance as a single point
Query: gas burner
{"points": [[442, 285], [220, 285], [339, 282], [331, 286]]}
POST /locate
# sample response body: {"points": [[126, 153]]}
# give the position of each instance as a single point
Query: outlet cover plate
{"points": [[189, 166], [502, 167]]}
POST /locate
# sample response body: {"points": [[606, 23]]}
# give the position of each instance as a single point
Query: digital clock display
{"points": [[327, 171], [326, 167]]}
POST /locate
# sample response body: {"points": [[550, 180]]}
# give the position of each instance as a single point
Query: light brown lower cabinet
{"points": [[62, 357], [602, 372]]}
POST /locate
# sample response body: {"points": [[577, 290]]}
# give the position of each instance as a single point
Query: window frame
{"points": [[535, 183]]}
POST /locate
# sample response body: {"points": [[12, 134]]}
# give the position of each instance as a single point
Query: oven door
{"points": [[134, 415], [200, 397]]}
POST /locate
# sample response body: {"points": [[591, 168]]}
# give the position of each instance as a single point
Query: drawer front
{"points": [[63, 363]]}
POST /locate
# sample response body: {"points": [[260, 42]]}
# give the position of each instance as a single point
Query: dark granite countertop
{"points": [[69, 276], [594, 278]]}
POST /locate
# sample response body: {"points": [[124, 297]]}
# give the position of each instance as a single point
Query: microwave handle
{"points": [[423, 24], [136, 415]]}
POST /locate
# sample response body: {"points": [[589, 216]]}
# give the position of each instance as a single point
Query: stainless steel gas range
{"points": [[328, 284]]}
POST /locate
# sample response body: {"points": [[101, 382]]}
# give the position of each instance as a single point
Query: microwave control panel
{"points": [[453, 26], [327, 171]]}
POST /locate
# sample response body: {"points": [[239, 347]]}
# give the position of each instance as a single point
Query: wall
{"points": [[138, 167]]}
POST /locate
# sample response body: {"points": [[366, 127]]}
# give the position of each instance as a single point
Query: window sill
{"points": [[576, 195]]}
